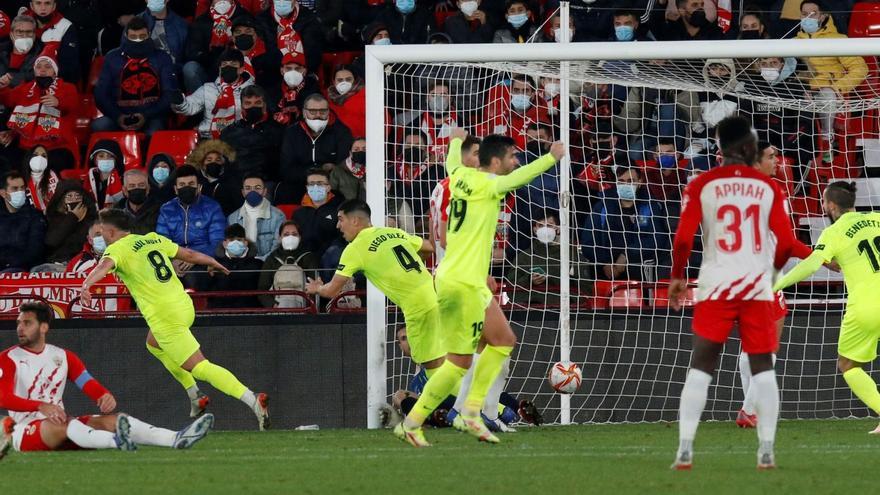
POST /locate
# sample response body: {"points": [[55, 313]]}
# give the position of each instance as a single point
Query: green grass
{"points": [[815, 457]]}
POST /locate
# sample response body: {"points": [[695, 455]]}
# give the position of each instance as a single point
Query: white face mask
{"points": [[316, 125], [222, 7], [24, 44], [545, 234], [293, 78], [343, 87], [38, 164], [468, 8], [770, 74], [551, 90], [290, 242], [557, 35]]}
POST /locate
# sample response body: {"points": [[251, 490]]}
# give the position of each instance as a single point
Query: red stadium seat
{"points": [[661, 294], [129, 142], [618, 294], [177, 144], [287, 210], [865, 20], [86, 113]]}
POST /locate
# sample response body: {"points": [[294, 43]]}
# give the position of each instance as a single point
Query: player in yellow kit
{"points": [[143, 263], [391, 259], [463, 297], [853, 241]]}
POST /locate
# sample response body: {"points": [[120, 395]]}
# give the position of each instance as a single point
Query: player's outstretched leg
{"points": [[7, 425], [224, 381], [142, 433], [438, 388], [862, 385], [87, 437], [198, 400]]}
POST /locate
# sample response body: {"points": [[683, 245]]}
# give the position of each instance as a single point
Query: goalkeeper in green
{"points": [[853, 242]]}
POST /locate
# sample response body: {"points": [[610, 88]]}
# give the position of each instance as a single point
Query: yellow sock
{"points": [[219, 378], [488, 367], [443, 382], [181, 375], [864, 387]]}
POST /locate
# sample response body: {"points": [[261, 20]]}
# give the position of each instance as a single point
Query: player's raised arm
{"points": [[525, 174], [105, 266], [453, 153], [801, 271], [197, 258], [328, 290]]}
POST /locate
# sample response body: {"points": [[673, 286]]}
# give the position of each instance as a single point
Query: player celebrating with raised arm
{"points": [[461, 279], [853, 241], [738, 208], [390, 258], [143, 263], [32, 379]]}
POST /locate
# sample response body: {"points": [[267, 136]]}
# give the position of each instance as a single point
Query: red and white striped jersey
{"points": [[744, 221], [28, 379]]}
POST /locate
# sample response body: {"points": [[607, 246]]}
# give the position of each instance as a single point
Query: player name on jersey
{"points": [[740, 189], [374, 245]]}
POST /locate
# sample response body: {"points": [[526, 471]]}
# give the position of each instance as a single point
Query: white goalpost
{"points": [[632, 348]]}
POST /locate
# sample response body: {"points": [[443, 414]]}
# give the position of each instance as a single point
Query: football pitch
{"points": [[814, 457]]}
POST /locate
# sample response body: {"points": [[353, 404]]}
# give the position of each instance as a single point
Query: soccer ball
{"points": [[565, 377]]}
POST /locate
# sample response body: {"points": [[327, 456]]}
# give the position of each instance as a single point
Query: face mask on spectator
{"points": [[253, 114], [438, 103], [751, 34], [38, 164], [99, 244], [222, 7], [517, 20], [316, 125], [468, 8], [236, 249], [770, 74], [44, 81], [290, 242], [137, 49], [187, 195], [557, 35], [343, 87], [626, 192], [383, 41], [228, 74], [551, 90], [214, 169], [520, 102], [293, 78], [283, 7], [317, 193], [359, 157], [156, 6], [106, 166], [160, 174], [405, 6], [254, 198], [17, 199], [624, 33], [244, 42], [545, 234], [137, 196], [810, 25], [24, 45], [667, 161], [698, 18]]}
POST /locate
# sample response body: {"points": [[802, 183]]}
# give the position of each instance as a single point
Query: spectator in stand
{"points": [[373, 34], [58, 35], [692, 23], [17, 62], [23, 227], [470, 25], [68, 217], [159, 172], [316, 219], [238, 255], [167, 30], [287, 268], [519, 27], [627, 236], [514, 120], [43, 112], [316, 141], [535, 271], [113, 16], [407, 21], [256, 138], [104, 178], [261, 59], [215, 160], [752, 27], [437, 121], [43, 181], [719, 102], [349, 177], [413, 176], [666, 177], [348, 99], [298, 30], [92, 250], [136, 84], [287, 98], [209, 35], [553, 33], [627, 26], [833, 78], [543, 192], [219, 101], [259, 218], [143, 208], [596, 175]]}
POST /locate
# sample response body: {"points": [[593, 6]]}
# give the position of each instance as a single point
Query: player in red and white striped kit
{"points": [[32, 379], [741, 211]]}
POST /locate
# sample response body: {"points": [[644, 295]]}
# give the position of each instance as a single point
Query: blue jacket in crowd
{"points": [[199, 226], [176, 30], [108, 91], [608, 233], [21, 245]]}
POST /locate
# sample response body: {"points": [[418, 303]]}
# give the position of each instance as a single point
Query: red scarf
{"points": [[410, 172], [221, 32], [55, 19], [112, 191], [356, 170], [37, 199], [438, 131], [224, 109], [594, 179], [288, 110], [32, 119], [288, 38], [139, 84]]}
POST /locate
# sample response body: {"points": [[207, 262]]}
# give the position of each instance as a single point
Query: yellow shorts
{"points": [[462, 312], [859, 335], [423, 334], [176, 339]]}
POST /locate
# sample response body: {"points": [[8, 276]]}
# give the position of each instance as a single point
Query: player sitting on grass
{"points": [[32, 379], [853, 241]]}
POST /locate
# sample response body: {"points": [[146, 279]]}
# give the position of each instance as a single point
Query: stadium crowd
{"points": [[273, 126]]}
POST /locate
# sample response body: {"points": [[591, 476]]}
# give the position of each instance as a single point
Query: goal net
{"points": [[582, 254]]}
